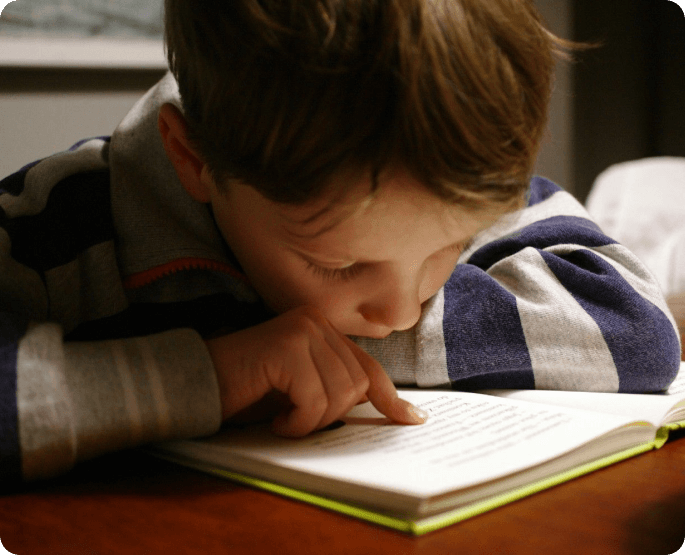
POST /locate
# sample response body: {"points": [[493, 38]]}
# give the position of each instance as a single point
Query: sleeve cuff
{"points": [[80, 400]]}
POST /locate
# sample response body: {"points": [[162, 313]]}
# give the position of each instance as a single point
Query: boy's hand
{"points": [[321, 372]]}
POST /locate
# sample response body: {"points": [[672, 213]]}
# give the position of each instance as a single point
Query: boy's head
{"points": [[285, 95], [351, 148]]}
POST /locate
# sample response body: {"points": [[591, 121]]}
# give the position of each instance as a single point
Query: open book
{"points": [[476, 452]]}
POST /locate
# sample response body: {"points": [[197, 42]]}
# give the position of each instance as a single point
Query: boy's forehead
{"points": [[398, 210], [312, 222], [347, 195]]}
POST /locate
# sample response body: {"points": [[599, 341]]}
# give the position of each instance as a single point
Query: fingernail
{"points": [[419, 415]]}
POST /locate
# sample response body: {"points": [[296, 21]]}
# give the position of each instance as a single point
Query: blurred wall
{"points": [[43, 111], [555, 159], [628, 94]]}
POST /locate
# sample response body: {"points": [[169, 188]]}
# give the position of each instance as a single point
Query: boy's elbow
{"points": [[649, 360]]}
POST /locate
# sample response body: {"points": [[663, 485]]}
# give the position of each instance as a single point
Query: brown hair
{"points": [[282, 95]]}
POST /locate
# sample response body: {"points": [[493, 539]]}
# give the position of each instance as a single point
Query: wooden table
{"points": [[131, 503]]}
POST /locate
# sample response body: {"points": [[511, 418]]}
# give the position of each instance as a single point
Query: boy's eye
{"points": [[335, 274], [460, 247]]}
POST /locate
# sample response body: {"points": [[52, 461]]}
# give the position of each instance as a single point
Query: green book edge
{"points": [[422, 526]]}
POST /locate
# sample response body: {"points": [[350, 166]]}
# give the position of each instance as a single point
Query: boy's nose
{"points": [[394, 307]]}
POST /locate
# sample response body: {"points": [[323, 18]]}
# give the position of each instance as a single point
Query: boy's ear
{"points": [[185, 160]]}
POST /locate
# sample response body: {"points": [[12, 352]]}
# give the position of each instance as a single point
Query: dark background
{"points": [[628, 94]]}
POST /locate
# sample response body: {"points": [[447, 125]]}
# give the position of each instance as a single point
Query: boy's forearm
{"points": [[546, 302], [79, 400]]}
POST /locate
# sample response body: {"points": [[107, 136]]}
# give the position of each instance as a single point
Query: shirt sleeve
{"points": [[65, 401], [542, 299]]}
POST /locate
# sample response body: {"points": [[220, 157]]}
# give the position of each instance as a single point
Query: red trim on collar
{"points": [[140, 279]]}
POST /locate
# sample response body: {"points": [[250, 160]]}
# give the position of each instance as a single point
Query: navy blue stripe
{"points": [[14, 183], [557, 230], [540, 190], [209, 316], [484, 338], [78, 215], [10, 453], [640, 337]]}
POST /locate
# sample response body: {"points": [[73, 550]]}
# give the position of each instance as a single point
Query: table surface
{"points": [[133, 503]]}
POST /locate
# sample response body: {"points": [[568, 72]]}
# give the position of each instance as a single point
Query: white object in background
{"points": [[641, 204], [3, 551]]}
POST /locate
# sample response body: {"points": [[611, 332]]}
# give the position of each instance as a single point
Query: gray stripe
{"points": [[559, 204], [87, 288], [566, 346], [431, 363], [396, 353], [156, 380], [416, 356], [129, 393], [84, 399], [46, 423], [134, 391]]}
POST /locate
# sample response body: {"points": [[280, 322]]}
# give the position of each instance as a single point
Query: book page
{"points": [[678, 385], [468, 439], [657, 408]]}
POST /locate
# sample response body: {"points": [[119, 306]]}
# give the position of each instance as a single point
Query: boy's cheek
{"points": [[294, 286], [337, 308], [282, 295]]}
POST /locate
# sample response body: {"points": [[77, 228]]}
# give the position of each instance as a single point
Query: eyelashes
{"points": [[350, 272], [335, 274]]}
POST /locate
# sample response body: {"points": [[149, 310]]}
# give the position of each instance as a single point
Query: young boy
{"points": [[313, 172]]}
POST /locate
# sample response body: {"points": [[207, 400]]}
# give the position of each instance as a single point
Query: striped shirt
{"points": [[111, 276]]}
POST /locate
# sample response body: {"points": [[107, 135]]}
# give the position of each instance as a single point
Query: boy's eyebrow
{"points": [[332, 223], [310, 220], [462, 245], [346, 210]]}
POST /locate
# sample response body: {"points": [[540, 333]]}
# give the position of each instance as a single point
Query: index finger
{"points": [[382, 392]]}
